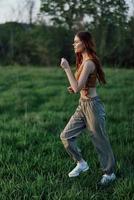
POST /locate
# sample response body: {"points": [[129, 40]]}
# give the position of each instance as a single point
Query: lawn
{"points": [[35, 106]]}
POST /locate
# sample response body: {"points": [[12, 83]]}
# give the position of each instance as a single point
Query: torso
{"points": [[91, 92]]}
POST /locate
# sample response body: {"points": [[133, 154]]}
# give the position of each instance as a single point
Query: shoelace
{"points": [[77, 168], [105, 178]]}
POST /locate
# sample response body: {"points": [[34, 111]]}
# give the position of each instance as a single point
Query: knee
{"points": [[64, 140], [62, 135]]}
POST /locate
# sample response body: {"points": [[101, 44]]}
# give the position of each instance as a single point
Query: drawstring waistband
{"points": [[91, 98]]}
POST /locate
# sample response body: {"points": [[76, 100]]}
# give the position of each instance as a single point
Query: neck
{"points": [[85, 55]]}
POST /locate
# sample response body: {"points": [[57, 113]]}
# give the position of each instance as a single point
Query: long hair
{"points": [[89, 43]]}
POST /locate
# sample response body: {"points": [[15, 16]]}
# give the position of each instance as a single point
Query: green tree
{"points": [[109, 25], [67, 13]]}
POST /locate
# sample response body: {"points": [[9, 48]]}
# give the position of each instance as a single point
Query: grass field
{"points": [[34, 108]]}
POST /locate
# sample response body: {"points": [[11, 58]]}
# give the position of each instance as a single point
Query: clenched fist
{"points": [[64, 63]]}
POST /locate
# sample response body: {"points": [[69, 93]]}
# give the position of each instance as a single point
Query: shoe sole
{"points": [[84, 170]]}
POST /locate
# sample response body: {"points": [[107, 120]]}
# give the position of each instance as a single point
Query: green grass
{"points": [[34, 108]]}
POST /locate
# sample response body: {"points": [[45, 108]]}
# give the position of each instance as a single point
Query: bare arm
{"points": [[78, 85]]}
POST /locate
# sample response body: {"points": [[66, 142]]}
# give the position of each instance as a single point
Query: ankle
{"points": [[109, 172], [82, 161]]}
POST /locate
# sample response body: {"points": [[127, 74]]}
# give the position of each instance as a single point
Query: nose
{"points": [[74, 45]]}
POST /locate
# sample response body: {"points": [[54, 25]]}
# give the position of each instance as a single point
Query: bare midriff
{"points": [[91, 92]]}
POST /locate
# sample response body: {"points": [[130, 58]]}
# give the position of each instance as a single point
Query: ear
{"points": [[84, 46]]}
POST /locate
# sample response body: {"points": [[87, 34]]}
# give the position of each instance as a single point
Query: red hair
{"points": [[89, 43]]}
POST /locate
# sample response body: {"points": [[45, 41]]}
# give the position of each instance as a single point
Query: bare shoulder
{"points": [[90, 65]]}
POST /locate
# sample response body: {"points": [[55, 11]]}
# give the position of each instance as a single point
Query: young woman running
{"points": [[90, 112]]}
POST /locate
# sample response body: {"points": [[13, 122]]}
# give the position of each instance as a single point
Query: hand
{"points": [[70, 90], [64, 63]]}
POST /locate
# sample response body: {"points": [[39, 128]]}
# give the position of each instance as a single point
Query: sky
{"points": [[17, 10]]}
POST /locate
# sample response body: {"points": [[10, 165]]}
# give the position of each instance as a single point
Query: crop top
{"points": [[91, 80]]}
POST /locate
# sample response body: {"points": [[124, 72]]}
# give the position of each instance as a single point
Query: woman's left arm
{"points": [[77, 85]]}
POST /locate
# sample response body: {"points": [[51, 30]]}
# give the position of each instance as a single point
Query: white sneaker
{"points": [[106, 179], [79, 168]]}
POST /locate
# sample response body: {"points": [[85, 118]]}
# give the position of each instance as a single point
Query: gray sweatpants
{"points": [[89, 114]]}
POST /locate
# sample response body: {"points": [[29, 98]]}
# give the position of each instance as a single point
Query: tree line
{"points": [[44, 44]]}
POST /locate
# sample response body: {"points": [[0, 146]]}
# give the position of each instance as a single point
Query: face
{"points": [[78, 45]]}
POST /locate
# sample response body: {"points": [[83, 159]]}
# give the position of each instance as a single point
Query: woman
{"points": [[90, 112]]}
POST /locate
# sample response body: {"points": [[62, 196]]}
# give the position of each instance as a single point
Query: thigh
{"points": [[96, 116], [75, 124]]}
